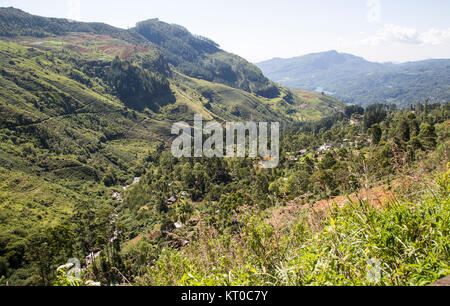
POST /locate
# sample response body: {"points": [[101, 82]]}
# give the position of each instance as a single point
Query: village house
{"points": [[171, 200], [325, 148]]}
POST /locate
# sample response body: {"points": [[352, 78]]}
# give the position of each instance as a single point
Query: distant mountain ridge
{"points": [[356, 80]]}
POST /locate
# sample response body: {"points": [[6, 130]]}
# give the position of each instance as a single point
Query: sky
{"points": [[378, 30]]}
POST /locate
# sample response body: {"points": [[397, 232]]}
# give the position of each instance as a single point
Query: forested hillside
{"points": [[200, 57]]}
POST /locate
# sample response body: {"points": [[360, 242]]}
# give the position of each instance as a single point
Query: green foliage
{"points": [[401, 244], [138, 88], [64, 281], [47, 248]]}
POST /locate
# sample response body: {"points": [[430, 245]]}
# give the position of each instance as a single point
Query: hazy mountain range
{"points": [[356, 80]]}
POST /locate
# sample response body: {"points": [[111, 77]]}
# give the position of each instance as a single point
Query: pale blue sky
{"points": [[379, 30]]}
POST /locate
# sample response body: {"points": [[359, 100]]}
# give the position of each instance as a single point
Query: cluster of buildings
{"points": [[326, 147]]}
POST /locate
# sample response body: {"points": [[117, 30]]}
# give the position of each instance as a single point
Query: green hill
{"points": [[193, 55], [202, 58]]}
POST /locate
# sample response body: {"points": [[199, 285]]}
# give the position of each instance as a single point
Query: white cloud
{"points": [[374, 12], [435, 37], [392, 33], [74, 9]]}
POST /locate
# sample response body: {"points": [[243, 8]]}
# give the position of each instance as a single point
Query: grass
{"points": [[403, 243], [28, 201], [225, 103]]}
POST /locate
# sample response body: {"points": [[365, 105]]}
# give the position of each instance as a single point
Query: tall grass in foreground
{"points": [[404, 243]]}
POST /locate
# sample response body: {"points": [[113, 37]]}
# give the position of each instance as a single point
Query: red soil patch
{"points": [[377, 197], [79, 49], [285, 217], [445, 282], [152, 235], [88, 43], [127, 54]]}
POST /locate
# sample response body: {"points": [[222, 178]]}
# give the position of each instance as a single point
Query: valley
{"points": [[86, 171]]}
